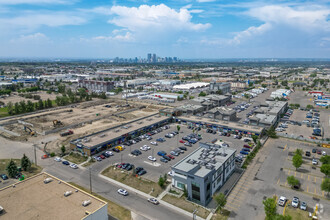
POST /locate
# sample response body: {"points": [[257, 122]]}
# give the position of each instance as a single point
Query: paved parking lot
{"points": [[154, 170], [266, 177]]}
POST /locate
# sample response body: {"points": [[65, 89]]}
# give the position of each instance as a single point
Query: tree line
{"points": [[24, 107]]}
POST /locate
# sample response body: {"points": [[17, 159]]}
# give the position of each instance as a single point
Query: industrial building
{"points": [[97, 86], [211, 101], [46, 197], [280, 93], [223, 87], [204, 171], [195, 85], [222, 113], [102, 140]]}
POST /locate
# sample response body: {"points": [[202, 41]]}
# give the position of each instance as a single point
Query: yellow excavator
{"points": [[27, 129], [57, 123]]}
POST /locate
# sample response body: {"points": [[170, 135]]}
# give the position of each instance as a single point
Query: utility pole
{"points": [[35, 154], [90, 179]]}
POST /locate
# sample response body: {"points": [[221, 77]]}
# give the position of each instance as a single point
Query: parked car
{"points": [[154, 143], [153, 200], [116, 150], [122, 192], [315, 161], [182, 141], [163, 160], [136, 152], [303, 206], [65, 162], [244, 152], [314, 150], [174, 153], [102, 157], [166, 157], [170, 156], [295, 202], [105, 154], [74, 166], [4, 176], [324, 153], [183, 148], [282, 201], [97, 158], [57, 159], [161, 153], [152, 158], [308, 154], [142, 172], [170, 173]]}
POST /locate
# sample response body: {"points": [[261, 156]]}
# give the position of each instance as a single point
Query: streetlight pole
{"points": [[90, 180], [35, 154]]}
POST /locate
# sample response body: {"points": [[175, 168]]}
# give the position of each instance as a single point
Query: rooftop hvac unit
{"points": [[48, 180], [86, 203], [67, 193]]}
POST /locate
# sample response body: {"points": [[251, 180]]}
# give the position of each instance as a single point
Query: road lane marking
{"points": [[278, 181], [285, 147], [308, 177], [284, 208]]}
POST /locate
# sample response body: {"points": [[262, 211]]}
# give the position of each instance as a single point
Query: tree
{"points": [[299, 151], [16, 108], [270, 208], [220, 199], [247, 96], [25, 163], [309, 107], [202, 94], [325, 168], [297, 161], [63, 149], [219, 92], [29, 106], [271, 132], [40, 104], [325, 159], [61, 88], [292, 181], [325, 185], [12, 169], [254, 137], [22, 105], [263, 85], [161, 181], [10, 108]]}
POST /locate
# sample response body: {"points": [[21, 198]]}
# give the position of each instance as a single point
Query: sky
{"points": [[188, 29]]}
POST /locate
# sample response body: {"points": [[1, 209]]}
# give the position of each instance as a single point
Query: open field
{"points": [[186, 205], [129, 179], [114, 209], [14, 97]]}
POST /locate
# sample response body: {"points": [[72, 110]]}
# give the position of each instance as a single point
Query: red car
{"points": [[319, 152], [170, 156], [102, 157], [247, 146], [182, 141]]}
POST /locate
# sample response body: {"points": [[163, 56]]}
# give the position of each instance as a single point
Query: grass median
{"points": [[221, 214], [296, 213], [131, 180], [75, 158], [33, 170], [114, 209], [186, 205]]}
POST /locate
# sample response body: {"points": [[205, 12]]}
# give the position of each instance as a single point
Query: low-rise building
{"points": [[222, 113], [204, 171], [97, 86], [46, 197], [190, 109], [223, 87]]}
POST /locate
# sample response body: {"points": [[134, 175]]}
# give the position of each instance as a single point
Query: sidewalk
{"points": [[119, 184]]}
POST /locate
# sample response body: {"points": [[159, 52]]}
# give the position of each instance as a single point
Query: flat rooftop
{"points": [[33, 199], [205, 159], [115, 132], [232, 125]]}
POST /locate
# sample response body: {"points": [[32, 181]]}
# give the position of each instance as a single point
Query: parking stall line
{"points": [[302, 175], [308, 177], [234, 204], [307, 189], [238, 200], [314, 190], [232, 208], [315, 179], [289, 172], [295, 174], [278, 181]]}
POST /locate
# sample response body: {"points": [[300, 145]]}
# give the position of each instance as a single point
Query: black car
{"points": [[129, 167], [183, 148], [4, 176], [65, 162], [124, 166], [314, 151], [116, 150], [308, 154], [166, 157], [138, 169], [163, 160], [142, 172], [105, 154]]}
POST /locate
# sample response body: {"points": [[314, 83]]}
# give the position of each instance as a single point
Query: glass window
{"points": [[180, 185]]}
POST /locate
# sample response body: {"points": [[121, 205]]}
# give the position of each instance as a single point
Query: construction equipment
{"points": [[66, 133], [27, 129], [46, 155], [57, 123]]}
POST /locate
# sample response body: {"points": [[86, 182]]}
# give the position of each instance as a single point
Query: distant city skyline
{"points": [[189, 29]]}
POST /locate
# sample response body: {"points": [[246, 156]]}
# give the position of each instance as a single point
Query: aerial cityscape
{"points": [[149, 110]]}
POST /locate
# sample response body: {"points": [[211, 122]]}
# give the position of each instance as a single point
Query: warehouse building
{"points": [[223, 87], [97, 86], [102, 140], [222, 113], [46, 197], [204, 171]]}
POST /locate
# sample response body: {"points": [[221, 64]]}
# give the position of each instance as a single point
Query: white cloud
{"points": [[202, 1], [127, 37], [37, 37], [307, 19], [35, 2], [103, 10], [250, 32], [159, 18], [32, 21]]}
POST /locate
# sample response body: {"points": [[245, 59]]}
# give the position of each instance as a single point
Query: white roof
{"points": [[191, 85]]}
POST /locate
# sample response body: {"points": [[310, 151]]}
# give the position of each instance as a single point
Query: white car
{"points": [[145, 148], [295, 202], [324, 153], [153, 143], [282, 201], [58, 159], [110, 153], [74, 166], [171, 173], [122, 192], [153, 200], [315, 162], [152, 158]]}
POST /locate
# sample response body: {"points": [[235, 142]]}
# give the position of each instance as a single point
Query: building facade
{"points": [[97, 86], [223, 87], [204, 171]]}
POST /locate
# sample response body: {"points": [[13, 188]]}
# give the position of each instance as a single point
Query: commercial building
{"points": [[204, 171], [190, 109], [46, 197], [222, 113], [97, 86], [211, 101], [238, 85], [223, 87], [185, 87], [102, 140], [264, 120], [280, 93], [269, 113]]}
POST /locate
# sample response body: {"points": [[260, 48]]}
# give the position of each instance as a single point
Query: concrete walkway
{"points": [[131, 189]]}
